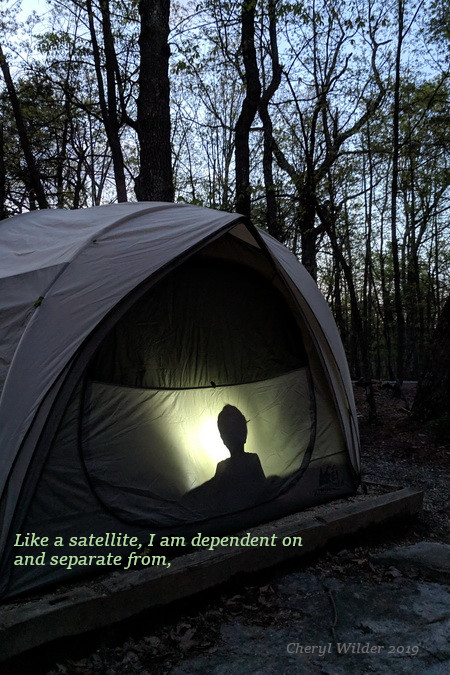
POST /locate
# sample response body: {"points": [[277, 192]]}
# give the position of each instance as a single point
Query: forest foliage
{"points": [[325, 121]]}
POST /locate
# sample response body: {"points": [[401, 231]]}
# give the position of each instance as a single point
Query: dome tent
{"points": [[126, 329]]}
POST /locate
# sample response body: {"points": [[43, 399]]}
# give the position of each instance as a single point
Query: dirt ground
{"points": [[194, 636], [399, 451]]}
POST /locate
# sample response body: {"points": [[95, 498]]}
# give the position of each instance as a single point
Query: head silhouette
{"points": [[232, 428]]}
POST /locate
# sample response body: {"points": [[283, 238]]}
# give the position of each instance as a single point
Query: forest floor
{"points": [[398, 451], [247, 625]]}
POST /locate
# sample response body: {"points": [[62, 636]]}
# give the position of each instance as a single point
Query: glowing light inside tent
{"points": [[172, 441], [210, 441]]}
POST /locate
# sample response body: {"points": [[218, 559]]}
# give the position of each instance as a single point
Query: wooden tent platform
{"points": [[85, 606]]}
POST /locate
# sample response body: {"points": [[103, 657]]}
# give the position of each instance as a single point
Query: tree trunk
{"points": [[433, 394], [274, 226], [308, 238], [36, 188], [363, 358], [113, 114], [249, 108], [394, 189], [3, 213], [155, 180], [309, 232], [108, 101]]}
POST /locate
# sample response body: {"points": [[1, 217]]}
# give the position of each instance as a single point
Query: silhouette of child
{"points": [[239, 481], [243, 467]]}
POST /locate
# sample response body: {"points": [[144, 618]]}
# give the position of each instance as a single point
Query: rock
{"points": [[431, 559], [377, 629]]}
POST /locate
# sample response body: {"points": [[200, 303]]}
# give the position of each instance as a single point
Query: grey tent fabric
{"points": [[124, 330]]}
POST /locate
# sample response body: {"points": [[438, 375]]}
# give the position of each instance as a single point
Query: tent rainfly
{"points": [[164, 368]]}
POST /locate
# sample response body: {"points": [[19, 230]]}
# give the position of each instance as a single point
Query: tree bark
{"points": [[155, 180], [249, 108]]}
